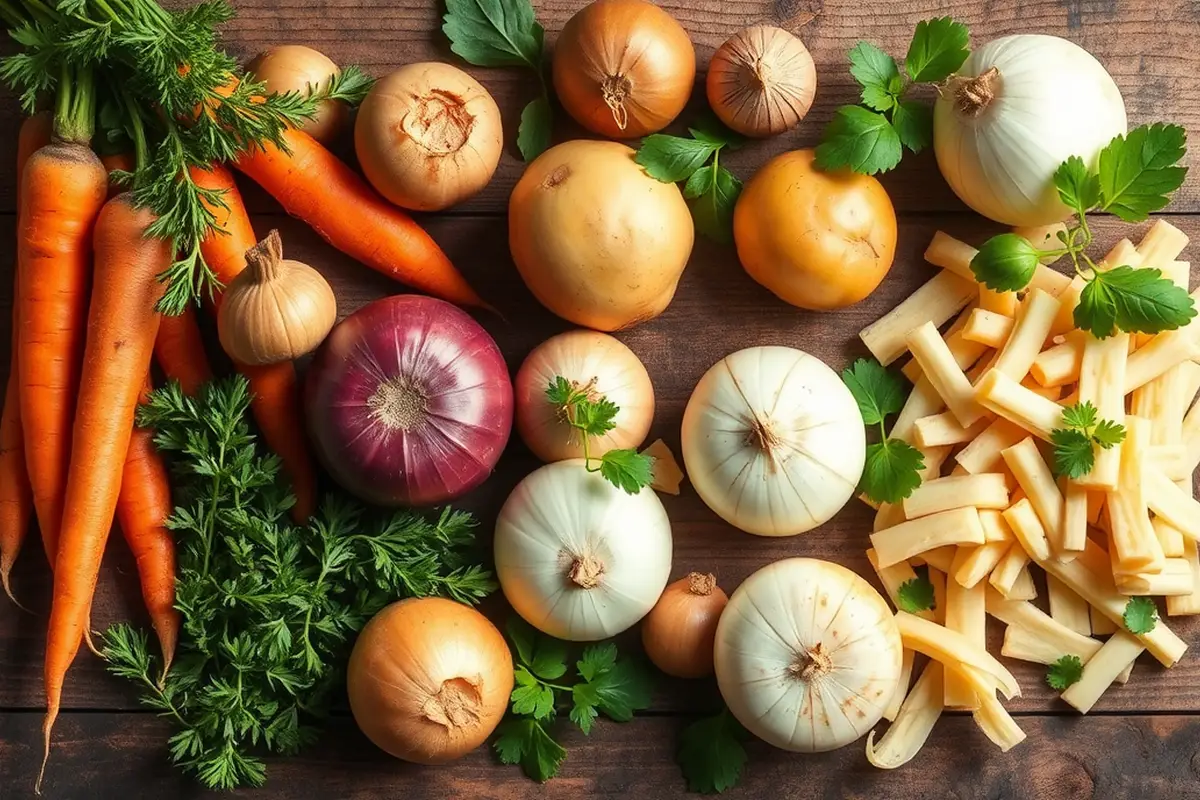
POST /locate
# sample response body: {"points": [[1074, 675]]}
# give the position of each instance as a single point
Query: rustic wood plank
{"points": [[1146, 46], [118, 756]]}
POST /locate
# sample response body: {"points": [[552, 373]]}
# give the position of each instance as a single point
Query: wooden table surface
{"points": [[1141, 740]]}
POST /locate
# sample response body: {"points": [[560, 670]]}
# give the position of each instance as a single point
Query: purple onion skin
{"points": [[409, 402]]}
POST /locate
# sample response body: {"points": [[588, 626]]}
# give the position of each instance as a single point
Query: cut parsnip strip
{"points": [[1134, 547], [1034, 319], [888, 515], [995, 528], [1191, 436], [1188, 605], [1025, 645], [1006, 398], [952, 255], [1005, 575], [1164, 351], [954, 651], [1096, 502], [1190, 382], [1173, 504], [966, 614], [973, 564], [1028, 529], [1170, 459], [1054, 393], [1101, 383], [986, 490], [893, 578], [1035, 479], [1003, 303], [934, 457], [1101, 625], [923, 401], [996, 723], [1075, 519], [940, 557], [1068, 608], [951, 383], [903, 541], [938, 300], [983, 453], [1175, 580], [918, 714], [906, 667], [1023, 587], [1162, 400], [867, 501], [1102, 669], [1039, 635], [1060, 364], [989, 328], [966, 353], [943, 429], [1161, 244], [1170, 538]]}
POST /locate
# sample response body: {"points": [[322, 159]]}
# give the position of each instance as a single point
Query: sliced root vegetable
{"points": [[1035, 479], [1188, 605], [955, 651], [1005, 575], [918, 714], [1101, 382], [940, 557], [1060, 365], [989, 328], [1032, 327], [1006, 398], [951, 383], [965, 614], [1175, 579], [1027, 645], [1102, 669], [965, 352], [988, 490], [1134, 547], [1067, 608], [1161, 353], [973, 564], [1172, 504], [924, 401], [906, 668], [937, 301], [1074, 520], [983, 454], [902, 542], [997, 724], [893, 578], [1023, 587], [1161, 244], [943, 429]]}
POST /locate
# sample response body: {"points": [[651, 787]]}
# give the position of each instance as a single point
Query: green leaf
{"points": [[525, 742], [628, 470], [861, 140], [523, 637], [584, 711], [1138, 172], [1080, 416], [494, 33], [1064, 673], [1108, 434], [710, 130], [616, 687], [712, 194], [549, 658], [1077, 185], [1005, 263], [878, 75], [530, 697], [1074, 456], [537, 127], [596, 660], [1133, 300], [939, 48], [892, 471], [711, 753], [877, 391], [915, 595], [913, 122], [1141, 615], [671, 159]]}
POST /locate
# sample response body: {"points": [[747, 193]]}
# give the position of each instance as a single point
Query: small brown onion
{"points": [[296, 68], [429, 679], [276, 309], [680, 630], [761, 82], [623, 68]]}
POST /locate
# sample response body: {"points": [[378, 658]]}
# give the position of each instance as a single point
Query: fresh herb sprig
{"points": [[871, 137], [595, 415], [1141, 615], [505, 33], [1082, 432], [893, 467], [269, 608], [710, 189], [916, 595], [605, 684], [1134, 177], [1064, 673], [712, 754]]}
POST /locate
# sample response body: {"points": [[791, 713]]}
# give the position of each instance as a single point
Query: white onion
{"points": [[1000, 138], [773, 441]]}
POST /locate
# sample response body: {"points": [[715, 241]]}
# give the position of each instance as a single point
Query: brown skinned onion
{"points": [[762, 81], [679, 632], [296, 68], [429, 679], [623, 68]]}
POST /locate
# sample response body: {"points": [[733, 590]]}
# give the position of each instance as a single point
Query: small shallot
{"points": [[680, 630]]}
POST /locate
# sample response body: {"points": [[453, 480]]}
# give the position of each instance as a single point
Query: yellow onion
{"points": [[680, 631], [761, 82]]}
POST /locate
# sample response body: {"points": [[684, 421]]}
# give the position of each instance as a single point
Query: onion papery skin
{"points": [[409, 402], [796, 613], [761, 82]]}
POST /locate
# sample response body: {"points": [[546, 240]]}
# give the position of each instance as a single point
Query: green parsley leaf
{"points": [[710, 130], [1141, 615], [860, 139], [916, 595], [878, 75], [525, 742], [1081, 415], [914, 124], [530, 697], [1074, 455], [596, 660], [1006, 263], [537, 124], [1133, 300], [711, 753], [1078, 186], [938, 50], [671, 159], [545, 656], [712, 193], [1064, 673], [615, 687], [892, 471], [877, 391], [628, 470], [1139, 171], [1108, 434], [494, 33], [595, 415]]}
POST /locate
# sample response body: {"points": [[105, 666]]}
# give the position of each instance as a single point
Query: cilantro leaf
{"points": [[525, 742], [1078, 187], [1064, 673], [914, 124], [1139, 171], [915, 595], [1133, 300], [937, 51], [878, 75], [1108, 434], [530, 697], [892, 471], [860, 139], [1006, 263], [712, 193], [1081, 415], [494, 33], [711, 754], [1141, 615], [671, 159], [1074, 455], [628, 470], [537, 123], [877, 391]]}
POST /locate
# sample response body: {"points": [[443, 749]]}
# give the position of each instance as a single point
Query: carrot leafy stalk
{"points": [[595, 415]]}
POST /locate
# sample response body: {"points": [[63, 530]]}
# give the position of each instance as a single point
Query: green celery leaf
{"points": [[1078, 187], [916, 595], [494, 33], [878, 75], [1138, 172], [1074, 455], [711, 753], [1134, 300], [525, 742], [1141, 615], [877, 391], [671, 159], [861, 140], [1064, 673], [712, 207], [939, 48], [913, 122], [628, 470]]}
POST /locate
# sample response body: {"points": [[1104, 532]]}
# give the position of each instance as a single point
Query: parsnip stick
{"points": [[996, 723], [1035, 478], [1004, 576], [938, 364], [902, 542], [1171, 503], [951, 255], [1170, 459], [995, 528], [1060, 364], [934, 458], [989, 328], [1028, 529], [1101, 383], [938, 300], [1162, 400], [889, 515], [986, 490], [919, 712], [954, 650], [1054, 393], [1191, 383], [942, 429], [1003, 303], [1134, 548], [1161, 353], [1005, 397], [1032, 326], [906, 667], [1188, 605], [965, 614], [1024, 616], [1101, 625], [973, 564], [966, 354], [1068, 608], [983, 453], [1023, 587], [1170, 538], [941, 558], [1174, 580], [893, 578], [1102, 669], [1025, 645], [923, 401], [1191, 436], [1075, 519], [1161, 244]]}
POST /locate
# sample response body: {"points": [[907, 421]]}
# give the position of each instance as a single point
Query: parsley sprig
{"points": [[1075, 443], [269, 608], [710, 189], [871, 137], [1141, 615], [605, 684], [916, 595], [893, 466], [1064, 673], [712, 754], [1134, 177], [595, 415]]}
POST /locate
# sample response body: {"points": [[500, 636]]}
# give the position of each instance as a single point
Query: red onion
{"points": [[409, 402]]}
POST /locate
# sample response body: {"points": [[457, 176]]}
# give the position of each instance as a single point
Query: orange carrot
{"points": [[113, 162], [122, 323], [143, 507], [314, 185], [179, 350], [62, 192], [276, 399]]}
